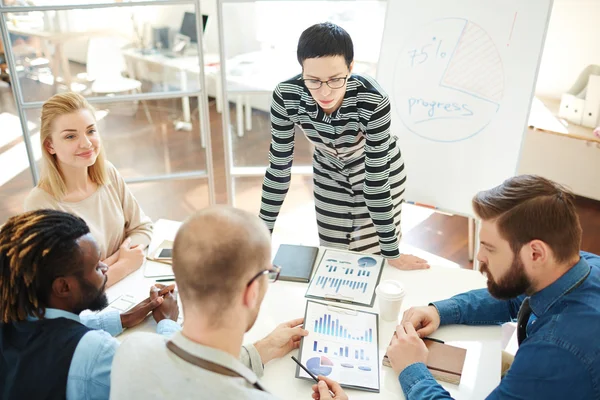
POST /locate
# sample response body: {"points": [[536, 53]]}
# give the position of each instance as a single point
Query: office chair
{"points": [[105, 63]]}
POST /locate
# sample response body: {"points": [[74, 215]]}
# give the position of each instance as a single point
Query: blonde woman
{"points": [[77, 179]]}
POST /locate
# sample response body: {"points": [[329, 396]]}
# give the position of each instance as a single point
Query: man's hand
{"points": [[138, 313], [425, 320], [408, 262], [321, 390], [162, 289], [169, 309], [406, 348], [285, 338]]}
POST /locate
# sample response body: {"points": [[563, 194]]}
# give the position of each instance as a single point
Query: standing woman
{"points": [[359, 174], [77, 179]]}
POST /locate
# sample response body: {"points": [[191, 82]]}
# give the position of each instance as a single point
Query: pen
{"points": [[433, 340], [310, 373], [165, 280], [422, 205]]}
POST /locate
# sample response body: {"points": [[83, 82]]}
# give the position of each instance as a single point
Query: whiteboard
{"points": [[460, 76]]}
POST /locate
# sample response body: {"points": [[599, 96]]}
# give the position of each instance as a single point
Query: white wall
{"points": [[117, 21], [240, 25], [280, 23], [572, 43]]}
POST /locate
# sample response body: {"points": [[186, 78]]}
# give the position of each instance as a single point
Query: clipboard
{"points": [[346, 312], [343, 282]]}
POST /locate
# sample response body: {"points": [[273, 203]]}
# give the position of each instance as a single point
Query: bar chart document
{"points": [[342, 345], [346, 277]]}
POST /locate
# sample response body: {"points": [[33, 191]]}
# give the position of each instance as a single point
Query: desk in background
{"points": [[482, 366], [59, 64], [248, 75], [183, 72]]}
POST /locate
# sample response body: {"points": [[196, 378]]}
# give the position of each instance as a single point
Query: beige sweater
{"points": [[144, 368], [112, 213]]}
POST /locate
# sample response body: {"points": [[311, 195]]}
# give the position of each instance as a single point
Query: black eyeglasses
{"points": [[335, 83], [273, 274]]}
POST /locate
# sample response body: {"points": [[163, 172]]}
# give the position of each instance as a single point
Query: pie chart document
{"points": [[346, 277], [342, 345], [460, 76]]}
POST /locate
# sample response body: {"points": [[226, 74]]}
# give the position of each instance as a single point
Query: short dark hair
{"points": [[36, 248], [325, 40], [530, 207]]}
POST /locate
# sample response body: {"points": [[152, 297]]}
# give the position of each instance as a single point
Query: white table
{"points": [[285, 301], [183, 66], [137, 67], [253, 73], [242, 77]]}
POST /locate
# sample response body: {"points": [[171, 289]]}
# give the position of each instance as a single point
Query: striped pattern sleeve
{"points": [[281, 155], [378, 197]]}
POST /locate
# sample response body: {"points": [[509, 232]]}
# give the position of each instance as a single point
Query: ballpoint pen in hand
{"points": [[310, 373], [432, 339]]}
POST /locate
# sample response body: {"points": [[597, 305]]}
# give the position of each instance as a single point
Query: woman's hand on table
{"points": [[132, 256], [408, 262]]}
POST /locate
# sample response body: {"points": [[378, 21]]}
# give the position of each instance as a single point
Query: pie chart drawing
{"points": [[448, 81], [320, 365], [367, 262]]}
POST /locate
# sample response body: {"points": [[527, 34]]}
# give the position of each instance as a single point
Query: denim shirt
{"points": [[89, 373], [559, 359]]}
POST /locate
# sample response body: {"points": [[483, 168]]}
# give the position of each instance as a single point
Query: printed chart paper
{"points": [[342, 345], [346, 277]]}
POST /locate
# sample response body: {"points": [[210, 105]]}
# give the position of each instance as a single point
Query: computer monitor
{"points": [[188, 26]]}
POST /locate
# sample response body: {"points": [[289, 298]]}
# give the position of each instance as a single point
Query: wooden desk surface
{"points": [[544, 117]]}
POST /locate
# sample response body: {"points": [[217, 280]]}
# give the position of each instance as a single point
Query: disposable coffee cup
{"points": [[390, 294]]}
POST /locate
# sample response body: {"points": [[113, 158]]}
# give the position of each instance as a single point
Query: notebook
{"points": [[445, 362], [296, 262]]}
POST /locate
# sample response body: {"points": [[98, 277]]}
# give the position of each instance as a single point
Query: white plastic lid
{"points": [[390, 289]]}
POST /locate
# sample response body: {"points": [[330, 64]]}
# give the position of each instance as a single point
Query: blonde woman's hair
{"points": [[52, 179]]}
